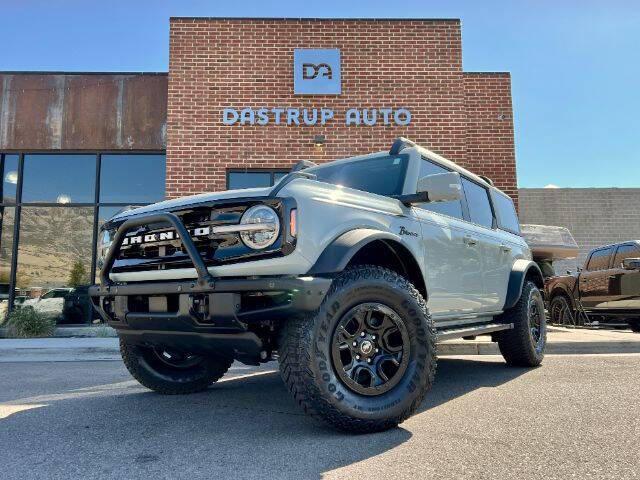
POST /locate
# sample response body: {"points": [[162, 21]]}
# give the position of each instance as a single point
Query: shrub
{"points": [[26, 322], [103, 331]]}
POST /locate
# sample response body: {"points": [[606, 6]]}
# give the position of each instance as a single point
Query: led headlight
{"points": [[259, 227]]}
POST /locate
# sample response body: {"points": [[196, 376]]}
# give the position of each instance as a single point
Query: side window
{"points": [[506, 212], [478, 203], [451, 209], [625, 251], [600, 259]]}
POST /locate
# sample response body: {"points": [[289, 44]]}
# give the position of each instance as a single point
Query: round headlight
{"points": [[267, 227]]}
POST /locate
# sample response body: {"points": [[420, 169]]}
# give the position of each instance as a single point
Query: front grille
{"points": [[141, 253]]}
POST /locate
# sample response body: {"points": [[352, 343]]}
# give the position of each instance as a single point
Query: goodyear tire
{"points": [[524, 345], [365, 359], [172, 372]]}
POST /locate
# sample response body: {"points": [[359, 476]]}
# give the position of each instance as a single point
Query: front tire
{"points": [[634, 325], [172, 372], [365, 359], [523, 346]]}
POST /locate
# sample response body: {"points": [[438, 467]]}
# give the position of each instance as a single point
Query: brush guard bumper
{"points": [[207, 314]]}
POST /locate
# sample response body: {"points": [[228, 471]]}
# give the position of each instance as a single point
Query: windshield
{"points": [[383, 175]]}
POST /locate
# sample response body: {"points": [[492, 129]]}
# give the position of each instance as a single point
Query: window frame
{"points": [[466, 214], [612, 250], [463, 200], [494, 220], [96, 204], [618, 247], [495, 191], [271, 171]]}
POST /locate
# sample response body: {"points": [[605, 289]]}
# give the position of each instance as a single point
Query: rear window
{"points": [[382, 175], [506, 213], [599, 259]]}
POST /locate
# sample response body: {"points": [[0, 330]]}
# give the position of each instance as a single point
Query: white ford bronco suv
{"points": [[347, 273]]}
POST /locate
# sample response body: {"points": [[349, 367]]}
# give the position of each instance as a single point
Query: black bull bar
{"points": [[208, 313]]}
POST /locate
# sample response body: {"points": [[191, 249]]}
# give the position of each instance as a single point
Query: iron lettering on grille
{"points": [[166, 236]]}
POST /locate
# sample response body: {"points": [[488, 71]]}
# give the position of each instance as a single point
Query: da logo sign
{"points": [[316, 71]]}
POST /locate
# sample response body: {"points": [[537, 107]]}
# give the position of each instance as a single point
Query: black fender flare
{"points": [[519, 271], [336, 256]]}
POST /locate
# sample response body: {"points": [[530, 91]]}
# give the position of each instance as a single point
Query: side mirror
{"points": [[441, 187], [631, 263]]}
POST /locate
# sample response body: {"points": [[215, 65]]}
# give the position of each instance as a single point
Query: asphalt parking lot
{"points": [[574, 417]]}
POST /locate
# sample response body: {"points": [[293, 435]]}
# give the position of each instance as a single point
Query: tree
{"points": [[78, 275]]}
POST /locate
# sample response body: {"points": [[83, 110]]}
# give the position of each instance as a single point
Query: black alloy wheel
{"points": [[177, 359], [370, 349]]}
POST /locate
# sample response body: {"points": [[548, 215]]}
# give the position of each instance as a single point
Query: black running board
{"points": [[449, 333]]}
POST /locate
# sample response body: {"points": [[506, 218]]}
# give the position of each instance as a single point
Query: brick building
{"points": [[248, 63], [244, 99]]}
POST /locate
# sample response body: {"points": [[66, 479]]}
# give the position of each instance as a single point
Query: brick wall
{"points": [[595, 216], [490, 145], [416, 64]]}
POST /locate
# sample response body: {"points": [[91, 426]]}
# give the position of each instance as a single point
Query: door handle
{"points": [[504, 248], [469, 240]]}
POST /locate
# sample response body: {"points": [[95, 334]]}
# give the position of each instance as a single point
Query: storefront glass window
{"points": [[59, 178], [132, 178], [254, 179], [54, 261], [7, 216], [9, 169], [57, 230]]}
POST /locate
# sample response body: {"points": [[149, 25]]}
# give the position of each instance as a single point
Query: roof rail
{"points": [[303, 165], [486, 179], [400, 144]]}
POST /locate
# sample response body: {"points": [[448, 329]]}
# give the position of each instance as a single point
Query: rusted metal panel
{"points": [[144, 105], [83, 111], [90, 111]]}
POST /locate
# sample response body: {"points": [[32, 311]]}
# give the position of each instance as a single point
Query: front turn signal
{"points": [[293, 222]]}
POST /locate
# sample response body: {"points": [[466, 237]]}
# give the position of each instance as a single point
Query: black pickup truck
{"points": [[607, 288]]}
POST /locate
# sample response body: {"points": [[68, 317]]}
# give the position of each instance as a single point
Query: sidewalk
{"points": [[561, 341]]}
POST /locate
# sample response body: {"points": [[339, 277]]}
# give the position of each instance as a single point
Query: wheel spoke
{"points": [[388, 338], [343, 334]]}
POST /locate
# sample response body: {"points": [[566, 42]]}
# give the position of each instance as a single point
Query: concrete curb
{"points": [[97, 349], [58, 349], [97, 331]]}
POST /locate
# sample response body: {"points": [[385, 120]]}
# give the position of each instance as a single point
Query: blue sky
{"points": [[575, 64]]}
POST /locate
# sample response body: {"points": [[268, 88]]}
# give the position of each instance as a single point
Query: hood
{"points": [[194, 200]]}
